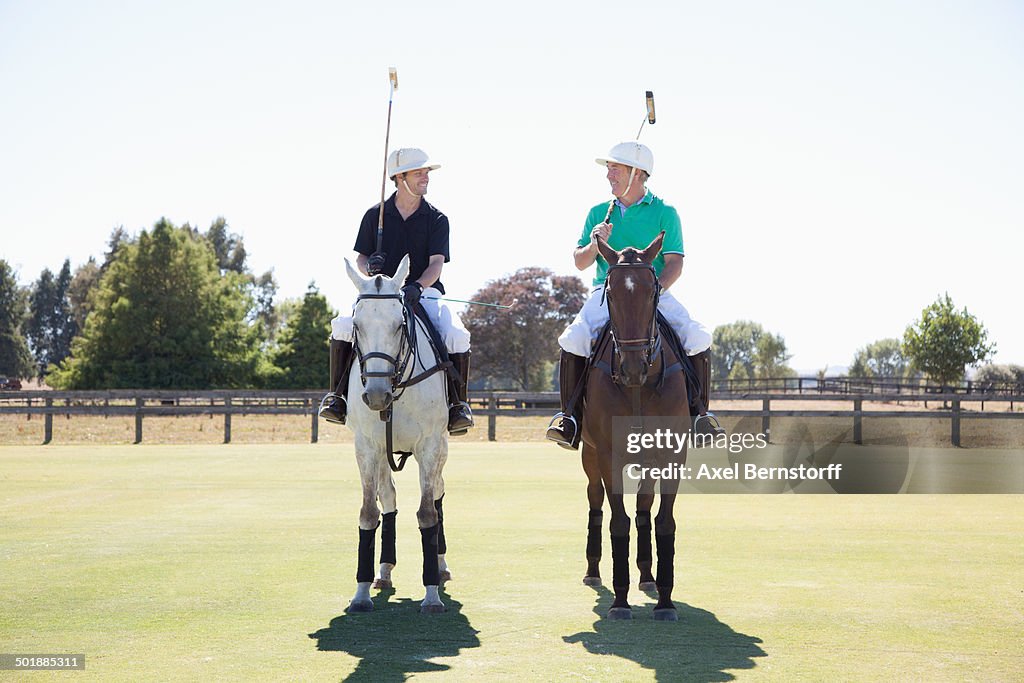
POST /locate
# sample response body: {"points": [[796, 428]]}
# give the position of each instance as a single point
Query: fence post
{"points": [[492, 419], [227, 419], [48, 422], [766, 420], [138, 419], [314, 427], [857, 436], [955, 436]]}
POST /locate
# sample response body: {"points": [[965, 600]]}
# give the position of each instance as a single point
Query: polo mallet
{"points": [[393, 77], [650, 118], [475, 303]]}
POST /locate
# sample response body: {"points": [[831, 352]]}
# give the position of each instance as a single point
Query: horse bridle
{"points": [[650, 344], [398, 363]]}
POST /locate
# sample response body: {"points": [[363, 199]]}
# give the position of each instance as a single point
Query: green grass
{"points": [[235, 563]]}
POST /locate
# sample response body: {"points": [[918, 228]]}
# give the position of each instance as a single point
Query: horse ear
{"points": [[357, 278], [654, 248], [402, 272], [609, 254]]}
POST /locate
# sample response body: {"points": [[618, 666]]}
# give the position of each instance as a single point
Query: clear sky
{"points": [[836, 165]]}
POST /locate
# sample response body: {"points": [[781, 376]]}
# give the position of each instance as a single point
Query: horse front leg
{"points": [[444, 573], [369, 515], [665, 536], [619, 527], [389, 503], [431, 463], [595, 519]]}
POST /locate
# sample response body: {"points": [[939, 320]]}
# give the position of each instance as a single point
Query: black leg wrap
{"points": [[620, 561], [364, 570], [666, 561], [387, 538], [431, 573], [643, 536], [594, 533], [442, 547]]}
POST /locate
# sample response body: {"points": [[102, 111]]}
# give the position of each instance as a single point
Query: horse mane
{"points": [[631, 255]]}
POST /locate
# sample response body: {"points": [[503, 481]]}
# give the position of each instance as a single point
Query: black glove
{"points": [[375, 264], [411, 293]]}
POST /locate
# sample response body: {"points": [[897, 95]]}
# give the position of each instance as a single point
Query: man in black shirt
{"points": [[415, 228]]}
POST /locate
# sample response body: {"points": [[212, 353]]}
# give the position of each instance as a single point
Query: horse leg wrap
{"points": [[620, 561], [364, 569], [594, 526], [643, 537], [431, 572], [442, 547], [387, 538], [666, 560]]}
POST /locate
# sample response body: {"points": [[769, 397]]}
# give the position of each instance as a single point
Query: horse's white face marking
{"points": [[630, 285]]}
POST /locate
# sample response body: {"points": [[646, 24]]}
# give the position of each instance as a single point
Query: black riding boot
{"points": [[460, 417], [569, 428], [705, 421], [334, 406]]}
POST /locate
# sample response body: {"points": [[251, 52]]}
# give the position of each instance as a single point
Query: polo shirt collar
{"points": [[391, 205], [646, 199]]}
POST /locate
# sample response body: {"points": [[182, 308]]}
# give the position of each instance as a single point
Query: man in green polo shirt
{"points": [[637, 217]]}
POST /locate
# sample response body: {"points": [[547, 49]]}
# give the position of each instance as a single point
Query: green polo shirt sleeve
{"points": [[673, 231]]}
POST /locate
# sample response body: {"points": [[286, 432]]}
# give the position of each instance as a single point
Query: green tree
{"points": [[991, 374], [302, 353], [164, 317], [745, 350], [51, 325], [15, 357], [80, 291], [516, 347], [882, 359], [944, 341]]}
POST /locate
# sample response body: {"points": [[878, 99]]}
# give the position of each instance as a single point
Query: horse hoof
{"points": [[592, 581], [380, 584], [438, 608], [666, 614], [361, 606], [445, 576], [620, 613], [648, 586]]}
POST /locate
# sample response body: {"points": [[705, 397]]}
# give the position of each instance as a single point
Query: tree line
{"points": [[174, 307]]}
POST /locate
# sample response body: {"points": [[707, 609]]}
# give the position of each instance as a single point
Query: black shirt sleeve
{"points": [[438, 242]]}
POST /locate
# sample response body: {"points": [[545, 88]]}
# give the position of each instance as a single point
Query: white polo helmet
{"points": [[409, 159], [630, 154]]}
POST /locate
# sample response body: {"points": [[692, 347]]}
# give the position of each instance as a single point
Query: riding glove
{"points": [[411, 293], [375, 263]]}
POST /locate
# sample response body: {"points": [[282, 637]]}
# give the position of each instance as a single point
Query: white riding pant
{"points": [[583, 330], [445, 321]]}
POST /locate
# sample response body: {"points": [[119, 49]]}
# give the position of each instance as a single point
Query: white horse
{"points": [[397, 374]]}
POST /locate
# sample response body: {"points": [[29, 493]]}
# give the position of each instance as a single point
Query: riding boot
{"points": [[460, 417], [705, 422], [334, 406], [569, 428]]}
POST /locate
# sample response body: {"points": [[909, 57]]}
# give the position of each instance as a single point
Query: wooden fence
{"points": [[142, 404]]}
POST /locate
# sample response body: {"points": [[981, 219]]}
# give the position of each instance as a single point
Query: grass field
{"points": [[213, 562]]}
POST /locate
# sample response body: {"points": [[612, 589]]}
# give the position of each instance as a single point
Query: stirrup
{"points": [[713, 428], [458, 429], [558, 436], [325, 412]]}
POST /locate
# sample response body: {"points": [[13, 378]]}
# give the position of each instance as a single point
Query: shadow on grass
{"points": [[395, 640], [698, 647]]}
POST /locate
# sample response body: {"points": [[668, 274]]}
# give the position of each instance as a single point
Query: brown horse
{"points": [[635, 374]]}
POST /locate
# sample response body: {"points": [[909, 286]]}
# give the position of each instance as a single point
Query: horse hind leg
{"points": [[620, 608], [644, 555], [388, 558]]}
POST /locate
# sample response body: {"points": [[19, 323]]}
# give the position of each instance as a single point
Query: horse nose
{"points": [[378, 399]]}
